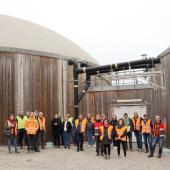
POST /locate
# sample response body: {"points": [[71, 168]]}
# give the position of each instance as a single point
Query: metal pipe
{"points": [[118, 66]]}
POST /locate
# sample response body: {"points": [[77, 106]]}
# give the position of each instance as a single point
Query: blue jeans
{"points": [[147, 141], [90, 137], [12, 141], [138, 136], [156, 140], [67, 138]]}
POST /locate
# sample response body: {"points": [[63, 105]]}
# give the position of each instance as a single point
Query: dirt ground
{"points": [[62, 159]]}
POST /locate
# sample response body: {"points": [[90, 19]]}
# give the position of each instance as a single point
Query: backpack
{"points": [[7, 130]]}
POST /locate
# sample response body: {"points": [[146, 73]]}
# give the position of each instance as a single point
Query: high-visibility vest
{"points": [[137, 123], [83, 125], [146, 128], [109, 131], [120, 132], [71, 120], [21, 121], [31, 126], [42, 123]]}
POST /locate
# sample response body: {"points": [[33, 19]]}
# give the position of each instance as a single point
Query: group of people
{"points": [[28, 129], [100, 132]]}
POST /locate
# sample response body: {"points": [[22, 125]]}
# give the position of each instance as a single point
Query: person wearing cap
{"points": [[159, 134], [146, 131], [130, 128]]}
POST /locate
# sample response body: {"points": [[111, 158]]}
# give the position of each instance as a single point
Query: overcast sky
{"points": [[110, 30]]}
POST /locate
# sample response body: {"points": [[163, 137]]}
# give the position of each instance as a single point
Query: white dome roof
{"points": [[23, 36]]}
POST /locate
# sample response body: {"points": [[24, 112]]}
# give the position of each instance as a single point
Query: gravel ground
{"points": [[53, 159]]}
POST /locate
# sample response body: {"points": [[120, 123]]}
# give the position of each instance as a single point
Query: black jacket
{"points": [[56, 124], [69, 126]]}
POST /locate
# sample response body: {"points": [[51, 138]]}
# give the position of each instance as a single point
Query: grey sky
{"points": [[110, 30]]}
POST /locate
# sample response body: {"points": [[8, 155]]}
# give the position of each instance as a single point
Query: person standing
{"points": [[56, 125], [96, 134], [37, 136], [121, 133], [42, 123], [130, 128], [89, 123], [136, 120], [146, 131], [80, 126], [62, 128], [106, 137], [21, 133], [159, 133], [113, 122], [31, 127], [71, 120], [67, 132], [10, 131]]}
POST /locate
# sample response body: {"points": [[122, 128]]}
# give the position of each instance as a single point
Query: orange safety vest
{"points": [[42, 123], [120, 132], [31, 126], [137, 124], [83, 125], [146, 128], [109, 131]]}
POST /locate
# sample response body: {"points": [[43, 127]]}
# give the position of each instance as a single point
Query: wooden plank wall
{"points": [[162, 97], [32, 83]]}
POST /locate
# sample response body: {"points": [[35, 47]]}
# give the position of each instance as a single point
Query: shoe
{"points": [[68, 147], [159, 156], [140, 150], [37, 150], [97, 154], [131, 150], [10, 152], [17, 151], [43, 147], [77, 150], [105, 157], [82, 150], [94, 145], [124, 157], [150, 156], [146, 151]]}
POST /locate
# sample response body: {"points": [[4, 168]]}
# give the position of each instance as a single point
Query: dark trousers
{"points": [[160, 141], [147, 140], [138, 136], [129, 137], [99, 146], [124, 145], [36, 139], [21, 137], [106, 148], [31, 142], [67, 138], [56, 137], [114, 141], [42, 138], [11, 141], [80, 139], [61, 137]]}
